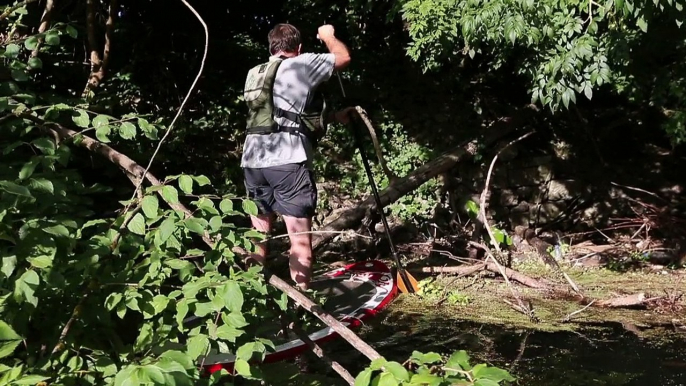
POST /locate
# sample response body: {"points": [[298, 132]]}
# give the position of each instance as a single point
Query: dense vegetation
{"points": [[101, 263]]}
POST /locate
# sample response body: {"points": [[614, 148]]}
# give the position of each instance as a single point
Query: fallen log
{"points": [[350, 218], [490, 266], [624, 301]]}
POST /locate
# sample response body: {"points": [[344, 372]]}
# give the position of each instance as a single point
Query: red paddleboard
{"points": [[354, 293]]}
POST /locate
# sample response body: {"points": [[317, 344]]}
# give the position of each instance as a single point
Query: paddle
{"points": [[406, 282]]}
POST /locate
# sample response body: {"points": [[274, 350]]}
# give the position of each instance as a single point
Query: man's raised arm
{"points": [[335, 46]]}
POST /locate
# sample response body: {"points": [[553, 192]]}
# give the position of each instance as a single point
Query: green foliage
{"points": [[561, 48], [94, 299], [432, 369], [501, 236], [430, 289], [402, 154]]}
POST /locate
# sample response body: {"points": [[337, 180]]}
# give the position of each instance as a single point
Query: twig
{"points": [[639, 190], [59, 346], [522, 347], [190, 90], [347, 232], [319, 352], [569, 316], [13, 8], [484, 202]]}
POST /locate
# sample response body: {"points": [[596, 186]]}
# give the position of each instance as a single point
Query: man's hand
{"points": [[325, 32]]}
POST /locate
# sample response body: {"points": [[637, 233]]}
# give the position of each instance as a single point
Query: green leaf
{"points": [[19, 75], [12, 50], [72, 32], [186, 184], [30, 380], [226, 206], [82, 119], [196, 225], [232, 295], [52, 38], [642, 24], [42, 185], [242, 368], [150, 205], [250, 207], [363, 378], [215, 223], [493, 373], [12, 188], [201, 180], [167, 228], [44, 144], [101, 121], [25, 288], [179, 357], [426, 379], [35, 63], [246, 351], [127, 130], [398, 371], [427, 358], [177, 263], [137, 224], [459, 360], [387, 379], [102, 133], [9, 340], [9, 263], [485, 382], [170, 194], [113, 300], [28, 168]]}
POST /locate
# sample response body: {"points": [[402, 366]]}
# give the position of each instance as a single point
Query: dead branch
{"points": [[465, 270], [15, 7], [377, 146], [318, 351], [484, 202], [624, 301], [44, 24], [98, 63], [352, 217], [188, 94], [92, 46], [572, 314]]}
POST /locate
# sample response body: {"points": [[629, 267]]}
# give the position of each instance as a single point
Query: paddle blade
{"points": [[401, 283]]}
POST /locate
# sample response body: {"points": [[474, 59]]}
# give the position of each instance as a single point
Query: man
{"points": [[278, 166]]}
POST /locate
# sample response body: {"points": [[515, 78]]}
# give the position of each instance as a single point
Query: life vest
{"points": [[258, 94]]}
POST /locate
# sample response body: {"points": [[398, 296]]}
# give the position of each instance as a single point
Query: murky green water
{"points": [[601, 355]]}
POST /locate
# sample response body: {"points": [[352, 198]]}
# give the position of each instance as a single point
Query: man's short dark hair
{"points": [[283, 37]]}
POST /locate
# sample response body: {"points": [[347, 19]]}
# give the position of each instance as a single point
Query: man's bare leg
{"points": [[301, 250], [262, 223]]}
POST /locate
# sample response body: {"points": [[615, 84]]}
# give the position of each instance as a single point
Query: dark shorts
{"points": [[289, 190]]}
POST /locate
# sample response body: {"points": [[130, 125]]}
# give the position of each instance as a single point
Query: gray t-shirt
{"points": [[296, 79]]}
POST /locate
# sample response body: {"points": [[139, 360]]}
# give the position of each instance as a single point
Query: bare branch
{"points": [[15, 7], [188, 94], [44, 24]]}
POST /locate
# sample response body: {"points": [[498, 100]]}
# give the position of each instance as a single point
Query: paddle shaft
{"points": [[375, 192]]}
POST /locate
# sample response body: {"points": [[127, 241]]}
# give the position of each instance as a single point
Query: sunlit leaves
{"points": [[81, 119]]}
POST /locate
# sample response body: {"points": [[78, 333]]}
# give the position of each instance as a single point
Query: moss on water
{"points": [[487, 297]]}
